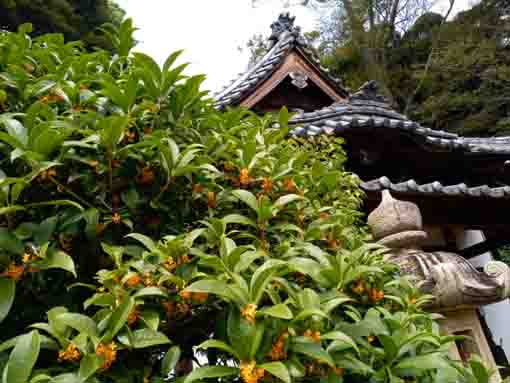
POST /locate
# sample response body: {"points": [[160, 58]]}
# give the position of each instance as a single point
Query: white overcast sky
{"points": [[210, 31]]}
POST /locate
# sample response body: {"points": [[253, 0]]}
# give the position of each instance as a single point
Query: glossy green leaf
{"points": [[79, 322], [210, 372], [277, 369], [119, 318], [143, 338], [7, 293], [280, 310], [22, 358], [170, 360]]}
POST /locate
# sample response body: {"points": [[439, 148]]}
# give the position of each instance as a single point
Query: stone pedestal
{"points": [[467, 323]]}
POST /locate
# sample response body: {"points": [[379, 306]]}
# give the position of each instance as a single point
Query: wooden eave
{"points": [[294, 62]]}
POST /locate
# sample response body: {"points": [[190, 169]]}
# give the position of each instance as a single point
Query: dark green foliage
{"points": [[467, 87], [75, 19]]}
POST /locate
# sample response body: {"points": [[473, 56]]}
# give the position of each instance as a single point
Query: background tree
{"points": [[75, 19]]}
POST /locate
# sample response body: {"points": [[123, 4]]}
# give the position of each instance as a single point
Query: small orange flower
{"points": [[323, 215], [211, 200], [184, 259], [182, 309], [371, 338], [313, 335], [412, 301], [376, 295], [278, 348], [170, 264], [108, 352], [185, 294], [133, 281], [249, 373], [146, 177], [51, 172], [289, 185], [338, 371], [147, 130], [169, 308], [148, 280], [115, 164], [116, 218], [14, 272], [197, 188], [130, 136], [359, 288], [244, 177], [248, 312], [267, 185], [70, 354], [27, 258], [228, 167], [200, 297], [133, 316]]}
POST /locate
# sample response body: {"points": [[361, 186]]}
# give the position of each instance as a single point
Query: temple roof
{"points": [[436, 189], [285, 38], [365, 109]]}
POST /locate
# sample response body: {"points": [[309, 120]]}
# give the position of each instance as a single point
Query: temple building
{"points": [[446, 197]]}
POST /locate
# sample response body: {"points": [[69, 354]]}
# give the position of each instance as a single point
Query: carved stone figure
{"points": [[453, 280]]}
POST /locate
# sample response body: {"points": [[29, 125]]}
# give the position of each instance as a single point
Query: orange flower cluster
{"points": [[249, 373], [70, 354], [211, 200], [267, 185], [200, 297], [248, 312], [148, 280], [133, 281], [315, 336], [133, 316], [244, 177], [47, 174], [278, 348], [376, 295], [289, 184], [116, 218], [108, 352], [359, 288], [197, 188], [186, 295], [170, 264], [370, 338], [146, 177], [338, 371], [14, 271]]}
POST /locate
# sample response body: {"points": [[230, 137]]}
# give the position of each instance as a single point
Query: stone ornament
{"points": [[299, 79], [452, 280]]}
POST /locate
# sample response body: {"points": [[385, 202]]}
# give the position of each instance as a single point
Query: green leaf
{"points": [[10, 209], [210, 372], [262, 276], [7, 293], [150, 292], [239, 219], [213, 343], [9, 242], [280, 310], [417, 364], [219, 288], [286, 199], [151, 319], [146, 241], [171, 358], [143, 338], [277, 369], [340, 340], [57, 260], [88, 366], [119, 318], [79, 322], [15, 129], [247, 197], [22, 358], [313, 350]]}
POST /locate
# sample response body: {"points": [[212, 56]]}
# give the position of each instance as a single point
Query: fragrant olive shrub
{"points": [[145, 236]]}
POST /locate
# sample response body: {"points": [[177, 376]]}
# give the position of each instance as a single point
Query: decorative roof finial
{"points": [[369, 91], [284, 23]]}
